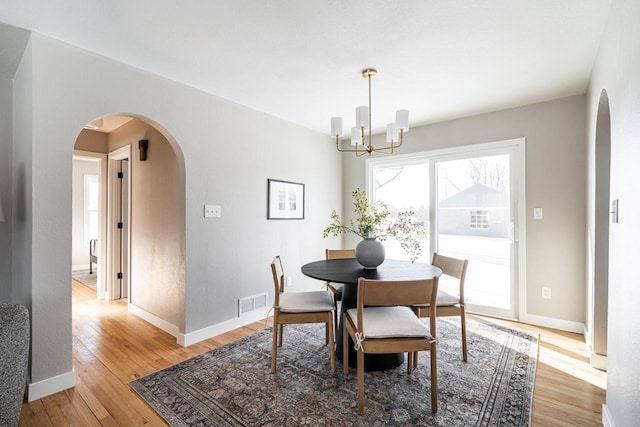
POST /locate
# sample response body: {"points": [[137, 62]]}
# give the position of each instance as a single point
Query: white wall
{"points": [[79, 245], [229, 152], [21, 182], [12, 46], [555, 180], [617, 70], [157, 228], [5, 187]]}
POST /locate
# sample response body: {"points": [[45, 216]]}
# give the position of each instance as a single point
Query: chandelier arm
{"points": [[350, 150], [390, 147], [382, 150], [400, 141], [396, 146], [342, 150]]}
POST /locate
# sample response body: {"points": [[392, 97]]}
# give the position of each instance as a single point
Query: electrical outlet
{"points": [[287, 281], [538, 213], [546, 292], [212, 211]]}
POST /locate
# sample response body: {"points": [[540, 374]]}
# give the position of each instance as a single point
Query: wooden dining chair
{"points": [[337, 288], [449, 304], [299, 307], [383, 322]]}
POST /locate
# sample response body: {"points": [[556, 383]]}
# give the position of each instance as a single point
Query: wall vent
{"points": [[260, 301], [252, 303], [245, 305]]}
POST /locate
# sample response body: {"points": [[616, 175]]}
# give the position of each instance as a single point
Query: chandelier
{"points": [[363, 123]]}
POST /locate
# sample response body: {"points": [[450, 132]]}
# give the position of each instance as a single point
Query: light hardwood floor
{"points": [[112, 347]]}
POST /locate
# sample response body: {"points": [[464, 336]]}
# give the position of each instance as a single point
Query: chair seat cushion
{"points": [[388, 322], [299, 302], [444, 299]]}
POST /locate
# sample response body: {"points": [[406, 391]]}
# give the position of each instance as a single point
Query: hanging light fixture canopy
{"points": [[363, 146], [95, 125]]}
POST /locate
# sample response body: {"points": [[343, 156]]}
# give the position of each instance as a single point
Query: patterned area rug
{"points": [[90, 280], [233, 385]]}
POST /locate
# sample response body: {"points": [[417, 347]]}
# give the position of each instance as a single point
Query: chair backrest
{"points": [[453, 267], [278, 279], [397, 292], [340, 253]]}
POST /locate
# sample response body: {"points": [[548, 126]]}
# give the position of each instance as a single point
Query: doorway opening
{"points": [[88, 221], [142, 215], [600, 291]]}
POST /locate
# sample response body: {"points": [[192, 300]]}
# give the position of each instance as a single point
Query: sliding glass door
{"points": [[469, 200], [474, 220]]}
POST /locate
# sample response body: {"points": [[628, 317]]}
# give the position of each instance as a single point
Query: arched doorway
{"points": [[601, 237], [142, 241]]}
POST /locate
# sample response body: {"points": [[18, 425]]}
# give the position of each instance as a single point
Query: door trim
{"points": [[114, 203]]}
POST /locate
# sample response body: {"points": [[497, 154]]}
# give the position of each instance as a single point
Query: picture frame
{"points": [[285, 199]]}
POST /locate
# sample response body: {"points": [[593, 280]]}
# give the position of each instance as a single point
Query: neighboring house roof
{"points": [[477, 196]]}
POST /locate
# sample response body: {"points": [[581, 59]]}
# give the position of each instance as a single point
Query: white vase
{"points": [[370, 253]]}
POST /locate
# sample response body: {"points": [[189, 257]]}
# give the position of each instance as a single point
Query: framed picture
{"points": [[285, 200]]}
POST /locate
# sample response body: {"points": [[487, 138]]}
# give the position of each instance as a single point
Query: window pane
{"points": [[92, 194], [474, 222], [404, 188], [91, 204]]}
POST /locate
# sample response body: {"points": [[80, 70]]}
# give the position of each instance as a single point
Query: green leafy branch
{"points": [[373, 221]]}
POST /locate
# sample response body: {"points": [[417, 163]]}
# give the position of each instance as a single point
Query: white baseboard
{"points": [[598, 361], [211, 331], [159, 323], [186, 340], [607, 421], [550, 322], [80, 267], [587, 338], [50, 386]]}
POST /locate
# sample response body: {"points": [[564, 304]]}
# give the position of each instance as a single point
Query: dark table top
{"points": [[349, 270]]}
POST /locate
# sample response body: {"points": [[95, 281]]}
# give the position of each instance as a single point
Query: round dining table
{"points": [[347, 271]]}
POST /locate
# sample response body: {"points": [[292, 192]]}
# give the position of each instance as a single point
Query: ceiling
{"points": [[108, 124], [301, 60]]}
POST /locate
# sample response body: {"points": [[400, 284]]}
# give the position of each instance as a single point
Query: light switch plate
{"points": [[546, 292], [537, 213]]}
